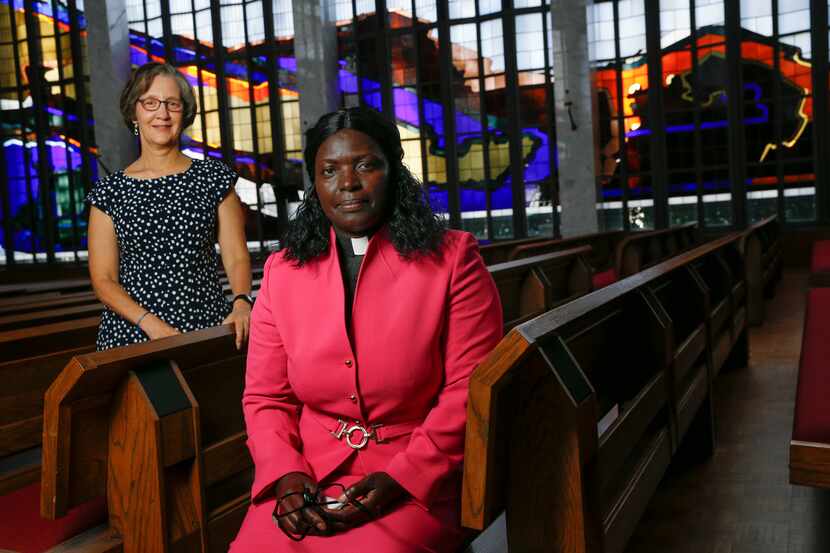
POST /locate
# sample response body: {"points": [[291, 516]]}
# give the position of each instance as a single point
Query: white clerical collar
{"points": [[360, 245]]}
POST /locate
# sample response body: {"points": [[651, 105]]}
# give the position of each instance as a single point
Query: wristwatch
{"points": [[244, 297]]}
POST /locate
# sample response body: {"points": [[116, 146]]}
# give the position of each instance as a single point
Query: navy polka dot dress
{"points": [[166, 230]]}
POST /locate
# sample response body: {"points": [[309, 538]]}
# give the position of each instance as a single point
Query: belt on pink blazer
{"points": [[348, 431]]}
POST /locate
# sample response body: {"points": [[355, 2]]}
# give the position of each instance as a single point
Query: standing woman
{"points": [[154, 225], [366, 330]]}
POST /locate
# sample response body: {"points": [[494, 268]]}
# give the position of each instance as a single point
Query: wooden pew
{"points": [[618, 254], [56, 287], [25, 304], [641, 250], [528, 287], [13, 296], [499, 251], [571, 441], [147, 427], [763, 268], [49, 311], [30, 359], [603, 245], [29, 362]]}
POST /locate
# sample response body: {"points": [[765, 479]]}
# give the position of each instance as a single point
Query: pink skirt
{"points": [[408, 528]]}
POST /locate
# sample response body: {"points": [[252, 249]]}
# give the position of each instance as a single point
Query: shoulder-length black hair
{"points": [[414, 228]]}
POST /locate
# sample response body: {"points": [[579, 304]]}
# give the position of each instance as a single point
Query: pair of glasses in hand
{"points": [[324, 497]]}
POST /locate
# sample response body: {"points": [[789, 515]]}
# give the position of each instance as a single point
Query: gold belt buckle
{"points": [[366, 434]]}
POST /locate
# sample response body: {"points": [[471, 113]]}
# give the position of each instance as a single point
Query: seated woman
{"points": [[153, 226], [368, 325]]}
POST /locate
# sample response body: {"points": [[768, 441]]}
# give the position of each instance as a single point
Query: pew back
{"points": [[572, 442], [528, 287], [603, 246], [158, 429], [499, 252], [641, 250]]}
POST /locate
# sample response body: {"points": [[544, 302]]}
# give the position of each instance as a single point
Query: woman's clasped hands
{"points": [[303, 508]]}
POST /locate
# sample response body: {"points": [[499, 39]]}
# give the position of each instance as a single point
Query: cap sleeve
{"points": [[224, 180], [102, 196]]}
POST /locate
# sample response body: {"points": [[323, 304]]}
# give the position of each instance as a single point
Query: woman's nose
{"points": [[349, 180]]}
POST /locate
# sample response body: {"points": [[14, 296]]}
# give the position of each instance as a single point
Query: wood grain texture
{"points": [[134, 470], [483, 487], [97, 375]]}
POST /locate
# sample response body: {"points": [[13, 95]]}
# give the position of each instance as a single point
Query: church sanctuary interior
{"points": [[643, 179]]}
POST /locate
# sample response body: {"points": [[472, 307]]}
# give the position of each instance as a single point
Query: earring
{"points": [[135, 128]]}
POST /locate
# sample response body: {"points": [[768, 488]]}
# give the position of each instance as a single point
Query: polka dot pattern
{"points": [[166, 231]]}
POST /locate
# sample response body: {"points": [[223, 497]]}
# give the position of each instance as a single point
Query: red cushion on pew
{"points": [[820, 262], [603, 279], [22, 529], [812, 410]]}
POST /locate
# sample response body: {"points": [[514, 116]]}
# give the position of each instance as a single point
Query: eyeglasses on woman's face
{"points": [[153, 104]]}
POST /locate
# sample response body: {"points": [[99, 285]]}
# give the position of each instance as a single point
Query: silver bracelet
{"points": [[141, 318]]}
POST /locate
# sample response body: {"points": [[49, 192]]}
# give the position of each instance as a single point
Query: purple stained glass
{"points": [[18, 189]]}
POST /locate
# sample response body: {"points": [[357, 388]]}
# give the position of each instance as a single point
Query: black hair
{"points": [[414, 228]]}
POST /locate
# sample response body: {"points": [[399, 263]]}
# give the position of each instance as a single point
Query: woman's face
{"points": [[161, 127], [350, 173]]}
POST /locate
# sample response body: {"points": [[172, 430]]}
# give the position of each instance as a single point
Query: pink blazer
{"points": [[419, 329]]}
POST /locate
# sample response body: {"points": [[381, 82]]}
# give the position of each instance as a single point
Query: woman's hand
{"points": [[377, 493], [155, 328], [301, 519], [240, 318]]}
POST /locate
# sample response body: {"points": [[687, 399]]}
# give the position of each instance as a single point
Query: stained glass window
{"points": [[48, 150], [448, 89], [239, 115]]}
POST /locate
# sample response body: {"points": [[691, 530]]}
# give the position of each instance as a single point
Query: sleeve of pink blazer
{"points": [[271, 410], [473, 328]]}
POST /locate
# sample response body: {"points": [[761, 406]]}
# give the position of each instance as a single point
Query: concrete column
{"points": [[315, 47], [575, 112], [109, 69]]}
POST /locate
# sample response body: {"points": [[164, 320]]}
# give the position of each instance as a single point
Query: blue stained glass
{"points": [[502, 197], [438, 199], [18, 190], [537, 166], [472, 200], [45, 8]]}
